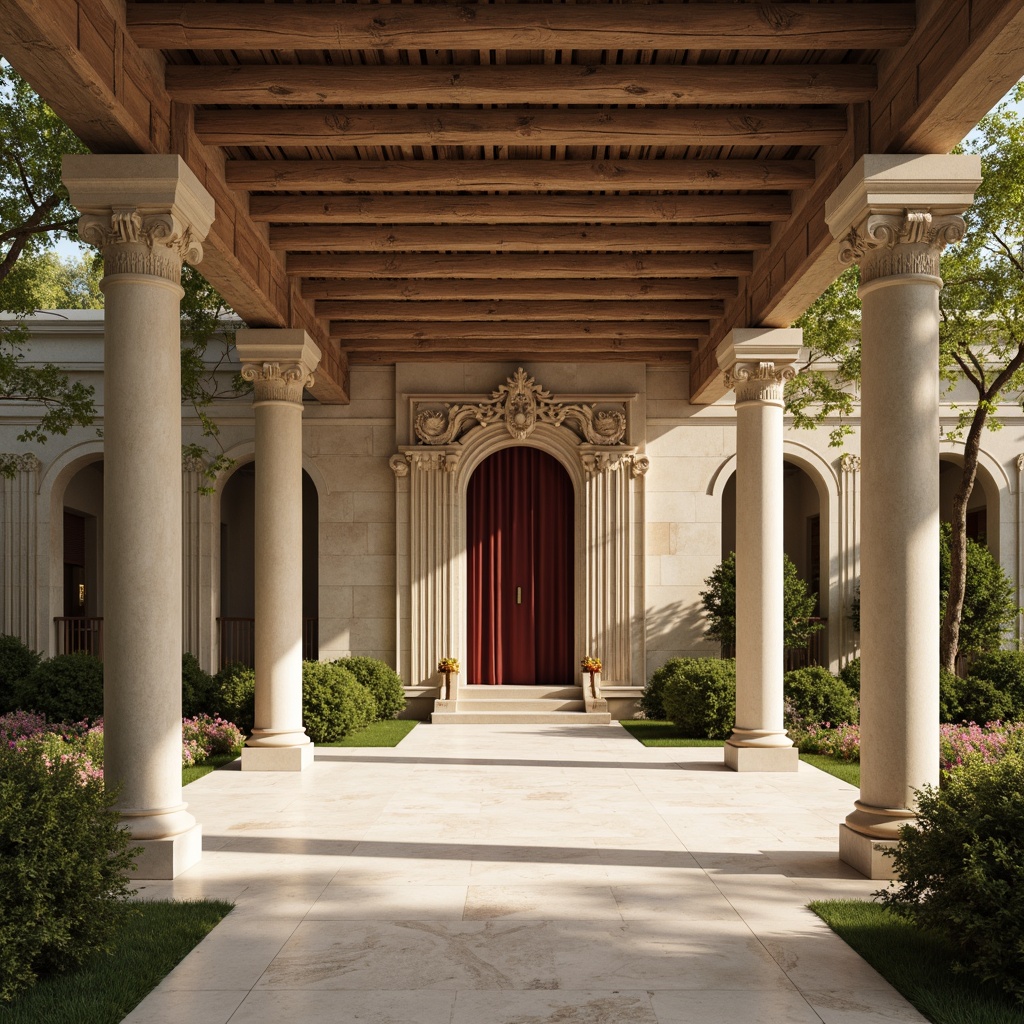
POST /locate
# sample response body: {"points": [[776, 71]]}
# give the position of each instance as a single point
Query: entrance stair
{"points": [[520, 705]]}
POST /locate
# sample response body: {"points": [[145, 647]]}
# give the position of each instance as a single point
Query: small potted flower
{"points": [[448, 665], [592, 665]]}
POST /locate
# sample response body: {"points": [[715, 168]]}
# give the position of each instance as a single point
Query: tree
{"points": [[719, 602]]}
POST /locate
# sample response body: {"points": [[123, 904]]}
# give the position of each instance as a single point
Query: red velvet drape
{"points": [[520, 536]]}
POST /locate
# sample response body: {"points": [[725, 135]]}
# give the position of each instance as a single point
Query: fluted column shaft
{"points": [[147, 213], [758, 363], [895, 214], [280, 364]]}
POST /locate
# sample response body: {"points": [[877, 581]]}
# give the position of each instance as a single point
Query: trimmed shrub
{"points": [[1005, 671], [67, 688], [699, 695], [63, 864], [652, 702], [961, 868], [17, 663], [971, 700], [197, 687], [850, 674], [333, 702], [381, 680], [235, 695], [204, 736], [816, 697]]}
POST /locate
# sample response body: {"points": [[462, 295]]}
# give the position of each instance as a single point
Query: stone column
{"points": [[280, 363], [147, 213], [894, 215], [758, 362]]}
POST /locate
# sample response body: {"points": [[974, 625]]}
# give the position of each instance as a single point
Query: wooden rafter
{"points": [[608, 350], [511, 309], [669, 26], [581, 84], [357, 333], [522, 238], [518, 175], [637, 289], [519, 209], [579, 126]]}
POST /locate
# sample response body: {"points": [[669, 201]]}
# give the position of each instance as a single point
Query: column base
{"points": [[277, 759], [170, 857], [761, 759], [865, 854]]}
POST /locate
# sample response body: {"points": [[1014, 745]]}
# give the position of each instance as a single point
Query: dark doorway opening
{"points": [[520, 511]]}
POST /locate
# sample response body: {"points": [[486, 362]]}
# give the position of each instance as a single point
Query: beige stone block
{"points": [[652, 572], [277, 759], [385, 443], [168, 858], [665, 506], [868, 856], [362, 473], [659, 539], [374, 506], [343, 539], [335, 602], [334, 636], [762, 759], [373, 382], [610, 378], [337, 439], [336, 507], [683, 570], [374, 602], [663, 409], [352, 570], [672, 384], [380, 538], [373, 634], [671, 473]]}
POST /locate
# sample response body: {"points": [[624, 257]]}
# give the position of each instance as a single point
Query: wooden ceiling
{"points": [[538, 180]]}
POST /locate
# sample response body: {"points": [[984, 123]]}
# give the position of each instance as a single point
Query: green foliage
{"points": [[235, 695], [198, 688], [719, 602], [652, 703], [381, 680], [850, 675], [989, 609], [816, 697], [699, 695], [827, 383], [67, 688], [17, 662], [1005, 671], [971, 700], [334, 704], [961, 868], [63, 864]]}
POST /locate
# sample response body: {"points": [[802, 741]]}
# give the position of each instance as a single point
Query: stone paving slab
{"points": [[516, 874]]}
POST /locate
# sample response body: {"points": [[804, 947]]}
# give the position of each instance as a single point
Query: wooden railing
{"points": [[238, 640], [798, 657], [79, 634]]}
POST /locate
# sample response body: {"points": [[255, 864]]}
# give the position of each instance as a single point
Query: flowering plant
{"points": [[448, 665], [590, 664]]}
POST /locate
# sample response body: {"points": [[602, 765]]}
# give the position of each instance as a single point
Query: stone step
{"points": [[553, 704], [504, 693], [520, 718]]}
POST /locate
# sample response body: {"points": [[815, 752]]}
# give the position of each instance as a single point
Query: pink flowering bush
{"points": [[206, 735], [840, 741], [961, 744]]}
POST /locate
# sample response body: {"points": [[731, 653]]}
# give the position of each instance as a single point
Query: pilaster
{"points": [[19, 534], [894, 215]]}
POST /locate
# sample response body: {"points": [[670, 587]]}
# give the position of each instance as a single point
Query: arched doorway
{"points": [[80, 626], [520, 519]]}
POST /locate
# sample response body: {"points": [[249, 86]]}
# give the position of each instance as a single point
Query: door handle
{"points": [[519, 595]]}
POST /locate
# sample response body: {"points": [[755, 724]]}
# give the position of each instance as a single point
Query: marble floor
{"points": [[501, 874]]}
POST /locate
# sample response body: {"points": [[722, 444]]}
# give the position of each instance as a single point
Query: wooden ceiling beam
{"points": [[521, 238], [636, 290], [444, 26], [532, 126], [511, 309], [471, 265], [530, 209], [518, 175], [355, 334], [608, 351], [334, 85]]}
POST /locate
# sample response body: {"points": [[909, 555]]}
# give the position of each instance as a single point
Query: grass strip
{"points": [[378, 734], [148, 943], [918, 964], [197, 771], [666, 734]]}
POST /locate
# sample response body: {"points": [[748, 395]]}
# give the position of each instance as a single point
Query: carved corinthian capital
{"points": [[277, 382], [758, 382], [887, 245]]}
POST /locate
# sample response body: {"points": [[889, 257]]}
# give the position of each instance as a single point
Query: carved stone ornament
{"points": [[605, 462], [193, 464], [888, 245], [760, 382], [1020, 463], [277, 382], [522, 404], [850, 463], [137, 243], [399, 464]]}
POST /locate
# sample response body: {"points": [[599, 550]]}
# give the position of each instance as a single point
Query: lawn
{"points": [[149, 942], [917, 964], [666, 734]]}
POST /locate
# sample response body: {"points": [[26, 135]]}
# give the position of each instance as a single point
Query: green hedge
{"points": [[198, 688], [381, 680], [699, 695], [67, 688], [334, 703], [814, 696], [17, 663], [234, 696]]}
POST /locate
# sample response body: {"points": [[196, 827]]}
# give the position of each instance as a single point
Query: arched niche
{"points": [[985, 506]]}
